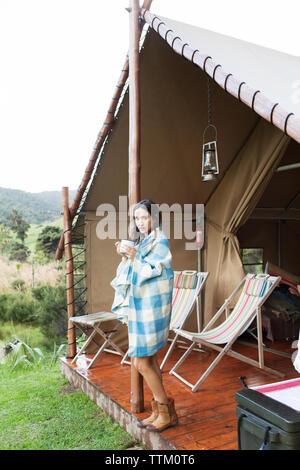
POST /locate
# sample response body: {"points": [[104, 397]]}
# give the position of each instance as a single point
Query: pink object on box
{"points": [[286, 392]]}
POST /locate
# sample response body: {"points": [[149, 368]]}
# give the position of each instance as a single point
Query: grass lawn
{"points": [[29, 334], [39, 410]]}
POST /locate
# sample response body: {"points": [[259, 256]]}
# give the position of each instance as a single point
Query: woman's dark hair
{"points": [[153, 210]]}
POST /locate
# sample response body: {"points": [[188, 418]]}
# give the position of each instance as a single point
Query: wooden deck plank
{"points": [[207, 418]]}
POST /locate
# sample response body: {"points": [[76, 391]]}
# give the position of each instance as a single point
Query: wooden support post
{"points": [[134, 164], [134, 168], [70, 272], [103, 133]]}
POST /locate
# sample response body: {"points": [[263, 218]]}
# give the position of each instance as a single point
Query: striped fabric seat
{"points": [[184, 295], [183, 300], [238, 321], [185, 279], [255, 289], [186, 291]]}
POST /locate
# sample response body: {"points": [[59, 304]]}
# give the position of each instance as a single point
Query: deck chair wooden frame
{"points": [[187, 305], [93, 322], [226, 349]]}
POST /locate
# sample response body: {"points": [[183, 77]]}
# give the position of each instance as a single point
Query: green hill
{"points": [[36, 208], [36, 229]]}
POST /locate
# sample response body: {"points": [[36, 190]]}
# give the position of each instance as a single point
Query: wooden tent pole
{"points": [[103, 133], [134, 168], [134, 164], [70, 272]]}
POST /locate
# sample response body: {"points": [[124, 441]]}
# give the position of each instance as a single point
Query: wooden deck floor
{"points": [[207, 418]]}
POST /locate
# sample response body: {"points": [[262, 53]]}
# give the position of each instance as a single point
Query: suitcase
{"points": [[266, 424]]}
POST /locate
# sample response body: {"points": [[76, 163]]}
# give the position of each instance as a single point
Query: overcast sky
{"points": [[60, 61]]}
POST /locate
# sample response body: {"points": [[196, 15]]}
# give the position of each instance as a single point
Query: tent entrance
{"points": [[270, 239], [274, 224]]}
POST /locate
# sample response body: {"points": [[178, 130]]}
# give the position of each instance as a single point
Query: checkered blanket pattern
{"points": [[143, 291]]}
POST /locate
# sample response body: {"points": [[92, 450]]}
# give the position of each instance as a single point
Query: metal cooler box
{"points": [[265, 423]]}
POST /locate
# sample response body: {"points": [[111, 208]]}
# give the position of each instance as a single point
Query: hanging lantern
{"points": [[210, 164]]}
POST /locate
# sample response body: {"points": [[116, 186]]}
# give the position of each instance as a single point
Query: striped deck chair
{"points": [[255, 291], [186, 290], [90, 325]]}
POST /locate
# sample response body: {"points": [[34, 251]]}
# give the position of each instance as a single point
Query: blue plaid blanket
{"points": [[143, 292]]}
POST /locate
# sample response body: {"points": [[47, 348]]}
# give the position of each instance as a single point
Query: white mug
{"points": [[125, 243]]}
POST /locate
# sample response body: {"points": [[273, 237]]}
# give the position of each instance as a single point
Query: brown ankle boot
{"points": [[152, 417], [166, 417]]}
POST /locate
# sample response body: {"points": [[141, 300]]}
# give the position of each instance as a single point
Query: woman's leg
{"points": [[155, 365], [149, 368], [163, 413]]}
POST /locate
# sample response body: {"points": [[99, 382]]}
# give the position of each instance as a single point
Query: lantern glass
{"points": [[210, 167]]}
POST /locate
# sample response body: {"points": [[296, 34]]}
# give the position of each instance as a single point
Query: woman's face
{"points": [[143, 220]]}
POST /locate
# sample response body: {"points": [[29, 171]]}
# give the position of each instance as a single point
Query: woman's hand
{"points": [[117, 245], [129, 252]]}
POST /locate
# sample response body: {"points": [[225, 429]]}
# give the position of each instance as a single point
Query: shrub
{"points": [[4, 299], [51, 302], [18, 284], [5, 238], [18, 251], [41, 258], [17, 307]]}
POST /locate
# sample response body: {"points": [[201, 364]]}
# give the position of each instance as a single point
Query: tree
{"points": [[48, 240], [18, 225], [51, 309], [5, 237], [18, 252]]}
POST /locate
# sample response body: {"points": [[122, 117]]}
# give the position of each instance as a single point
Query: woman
{"points": [[144, 287]]}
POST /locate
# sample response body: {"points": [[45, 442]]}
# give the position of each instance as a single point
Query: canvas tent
{"points": [[255, 109]]}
